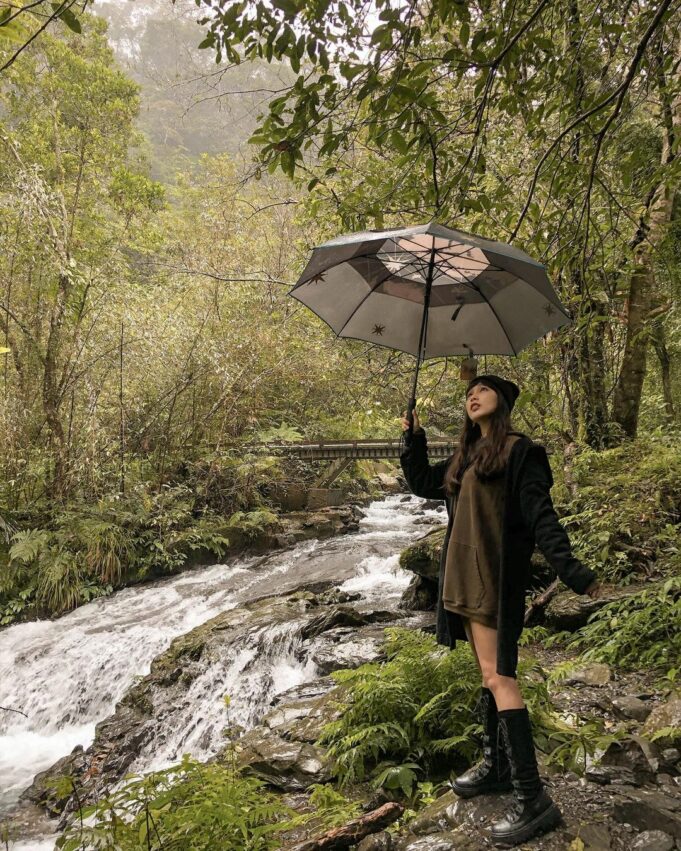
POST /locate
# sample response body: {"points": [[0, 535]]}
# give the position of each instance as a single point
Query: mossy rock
{"points": [[423, 557]]}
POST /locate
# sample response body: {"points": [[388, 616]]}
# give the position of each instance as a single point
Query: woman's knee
{"points": [[497, 683]]}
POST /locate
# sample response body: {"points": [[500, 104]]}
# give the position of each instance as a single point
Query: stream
{"points": [[67, 674]]}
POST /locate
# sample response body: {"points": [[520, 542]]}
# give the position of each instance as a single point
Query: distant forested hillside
{"points": [[188, 105]]}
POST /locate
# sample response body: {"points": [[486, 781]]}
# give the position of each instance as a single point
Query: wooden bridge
{"points": [[343, 452]]}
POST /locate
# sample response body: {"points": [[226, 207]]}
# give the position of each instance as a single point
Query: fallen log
{"points": [[353, 832], [541, 600]]}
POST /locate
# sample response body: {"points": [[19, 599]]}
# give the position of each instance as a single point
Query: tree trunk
{"points": [[52, 397], [591, 365], [652, 230], [587, 361], [659, 342]]}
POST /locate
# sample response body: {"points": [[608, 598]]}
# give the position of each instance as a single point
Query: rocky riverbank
{"points": [[630, 798]]}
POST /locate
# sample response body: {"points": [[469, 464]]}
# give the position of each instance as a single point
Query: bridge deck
{"points": [[325, 450]]}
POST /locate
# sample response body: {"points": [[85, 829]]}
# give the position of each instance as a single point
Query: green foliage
{"points": [[412, 714], [283, 433], [331, 808], [637, 631], [414, 706], [253, 523], [424, 794], [187, 806], [92, 549], [192, 805], [196, 806], [625, 515], [232, 478]]}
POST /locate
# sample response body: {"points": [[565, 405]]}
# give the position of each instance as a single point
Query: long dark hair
{"points": [[488, 459]]}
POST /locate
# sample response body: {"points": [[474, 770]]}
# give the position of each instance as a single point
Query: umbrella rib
{"points": [[496, 316], [489, 266], [372, 290], [374, 254], [361, 339]]}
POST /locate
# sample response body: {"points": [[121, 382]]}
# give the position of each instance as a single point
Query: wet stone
{"points": [[345, 647], [596, 837], [649, 810], [286, 765], [653, 840], [443, 841], [376, 842], [667, 714], [632, 707], [592, 674], [636, 754]]}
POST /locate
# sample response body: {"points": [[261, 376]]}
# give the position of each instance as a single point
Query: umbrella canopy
{"points": [[478, 294], [431, 291]]}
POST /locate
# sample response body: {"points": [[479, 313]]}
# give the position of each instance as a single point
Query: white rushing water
{"points": [[68, 674]]}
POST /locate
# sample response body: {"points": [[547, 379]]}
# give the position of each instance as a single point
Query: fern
{"points": [[189, 805], [60, 581], [29, 544], [415, 710], [637, 631]]}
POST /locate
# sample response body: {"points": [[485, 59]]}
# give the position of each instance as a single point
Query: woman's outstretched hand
{"points": [[405, 421], [594, 590]]}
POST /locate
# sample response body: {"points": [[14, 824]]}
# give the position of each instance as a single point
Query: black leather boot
{"points": [[533, 811], [493, 772]]}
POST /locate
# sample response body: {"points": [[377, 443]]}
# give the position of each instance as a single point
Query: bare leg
{"points": [[467, 627], [505, 689]]}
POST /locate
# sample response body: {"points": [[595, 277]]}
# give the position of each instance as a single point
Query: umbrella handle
{"points": [[410, 417]]}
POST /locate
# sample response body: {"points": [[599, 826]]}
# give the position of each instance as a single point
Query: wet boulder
{"points": [[569, 611], [648, 809], [284, 764], [665, 716], [420, 595], [423, 557], [347, 647], [342, 615], [50, 788]]}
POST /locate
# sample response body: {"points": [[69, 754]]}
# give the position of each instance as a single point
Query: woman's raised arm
{"points": [[424, 479]]}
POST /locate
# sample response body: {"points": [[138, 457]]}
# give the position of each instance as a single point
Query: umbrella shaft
{"points": [[424, 326]]}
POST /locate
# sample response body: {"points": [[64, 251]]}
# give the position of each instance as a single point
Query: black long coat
{"points": [[529, 519]]}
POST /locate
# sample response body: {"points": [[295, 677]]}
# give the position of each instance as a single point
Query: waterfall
{"points": [[67, 674]]}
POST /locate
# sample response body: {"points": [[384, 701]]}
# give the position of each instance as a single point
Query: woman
{"points": [[497, 489]]}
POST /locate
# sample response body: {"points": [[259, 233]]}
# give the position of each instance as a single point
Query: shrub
{"points": [[412, 714], [640, 631], [91, 549], [188, 807], [625, 516]]}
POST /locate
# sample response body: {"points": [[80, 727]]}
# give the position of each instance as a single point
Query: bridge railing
{"points": [[357, 449]]}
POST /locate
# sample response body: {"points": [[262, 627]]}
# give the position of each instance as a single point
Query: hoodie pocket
{"points": [[463, 585]]}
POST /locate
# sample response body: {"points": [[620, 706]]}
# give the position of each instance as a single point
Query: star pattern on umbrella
{"points": [[549, 309], [378, 329], [318, 278]]}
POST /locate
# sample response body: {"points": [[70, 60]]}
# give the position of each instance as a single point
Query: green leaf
{"points": [[398, 141], [67, 16], [472, 204], [288, 7]]}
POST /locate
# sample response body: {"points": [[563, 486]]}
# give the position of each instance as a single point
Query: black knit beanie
{"points": [[508, 389]]}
